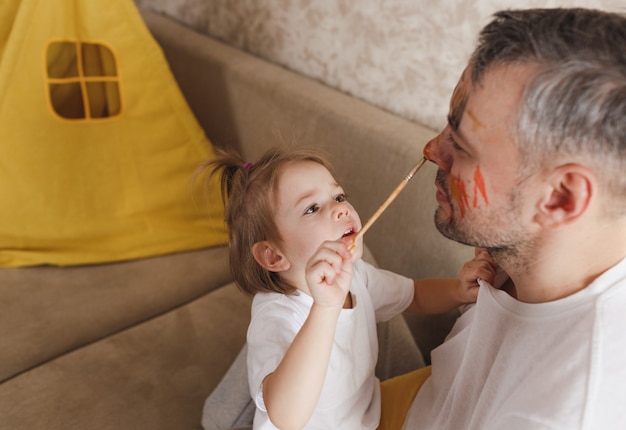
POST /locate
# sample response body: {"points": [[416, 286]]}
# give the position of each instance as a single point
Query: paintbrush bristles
{"points": [[388, 201]]}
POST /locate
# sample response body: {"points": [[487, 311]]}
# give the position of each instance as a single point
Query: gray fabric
{"points": [[230, 406], [398, 353]]}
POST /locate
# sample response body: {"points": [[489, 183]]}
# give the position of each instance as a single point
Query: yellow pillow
{"points": [[397, 395], [98, 148]]}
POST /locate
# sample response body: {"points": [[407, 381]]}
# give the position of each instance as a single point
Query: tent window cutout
{"points": [[82, 80]]}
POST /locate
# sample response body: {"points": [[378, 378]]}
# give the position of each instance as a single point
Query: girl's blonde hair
{"points": [[249, 196]]}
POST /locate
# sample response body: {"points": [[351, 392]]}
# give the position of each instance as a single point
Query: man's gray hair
{"points": [[574, 108]]}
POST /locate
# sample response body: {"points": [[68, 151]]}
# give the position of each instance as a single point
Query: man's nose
{"points": [[436, 151]]}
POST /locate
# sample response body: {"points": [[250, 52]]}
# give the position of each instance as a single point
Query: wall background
{"points": [[404, 56]]}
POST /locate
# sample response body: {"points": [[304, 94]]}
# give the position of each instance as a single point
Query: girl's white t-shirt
{"points": [[350, 398]]}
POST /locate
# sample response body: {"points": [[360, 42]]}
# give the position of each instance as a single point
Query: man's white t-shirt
{"points": [[513, 365], [350, 398]]}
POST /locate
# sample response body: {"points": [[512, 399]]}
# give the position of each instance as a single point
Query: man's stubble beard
{"points": [[498, 230]]}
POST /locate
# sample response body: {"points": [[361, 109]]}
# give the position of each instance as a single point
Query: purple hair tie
{"points": [[247, 166]]}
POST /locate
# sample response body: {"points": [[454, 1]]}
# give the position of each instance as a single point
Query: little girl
{"points": [[312, 341]]}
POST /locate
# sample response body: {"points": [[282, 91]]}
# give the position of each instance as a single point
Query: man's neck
{"points": [[563, 265]]}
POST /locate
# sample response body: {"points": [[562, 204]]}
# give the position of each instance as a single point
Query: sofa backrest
{"points": [[245, 102]]}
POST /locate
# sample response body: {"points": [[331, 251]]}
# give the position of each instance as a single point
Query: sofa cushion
{"points": [[155, 375], [48, 311]]}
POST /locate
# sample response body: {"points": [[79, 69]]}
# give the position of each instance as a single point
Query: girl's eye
{"points": [[341, 198], [311, 209]]}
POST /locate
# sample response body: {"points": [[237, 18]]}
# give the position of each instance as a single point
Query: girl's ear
{"points": [[569, 196], [270, 257]]}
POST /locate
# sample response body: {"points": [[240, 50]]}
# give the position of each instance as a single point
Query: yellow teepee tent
{"points": [[98, 147]]}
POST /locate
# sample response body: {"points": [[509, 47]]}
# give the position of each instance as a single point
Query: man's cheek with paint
{"points": [[467, 194]]}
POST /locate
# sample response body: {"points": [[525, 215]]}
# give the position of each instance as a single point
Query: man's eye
{"points": [[453, 142], [341, 197], [311, 209]]}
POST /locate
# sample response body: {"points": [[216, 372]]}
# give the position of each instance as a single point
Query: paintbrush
{"points": [[387, 202]]}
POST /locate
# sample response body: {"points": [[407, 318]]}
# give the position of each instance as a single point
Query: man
{"points": [[532, 166]]}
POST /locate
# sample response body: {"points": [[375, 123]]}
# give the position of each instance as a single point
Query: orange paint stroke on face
{"points": [[479, 186], [458, 193], [476, 122]]}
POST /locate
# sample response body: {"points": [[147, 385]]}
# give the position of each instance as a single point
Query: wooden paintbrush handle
{"points": [[388, 201]]}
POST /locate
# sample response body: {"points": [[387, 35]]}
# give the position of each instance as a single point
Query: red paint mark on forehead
{"points": [[476, 123]]}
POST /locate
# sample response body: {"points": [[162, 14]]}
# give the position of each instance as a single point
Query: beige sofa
{"points": [[141, 344]]}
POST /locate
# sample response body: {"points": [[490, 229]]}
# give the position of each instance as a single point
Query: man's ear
{"points": [[571, 188], [270, 257]]}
